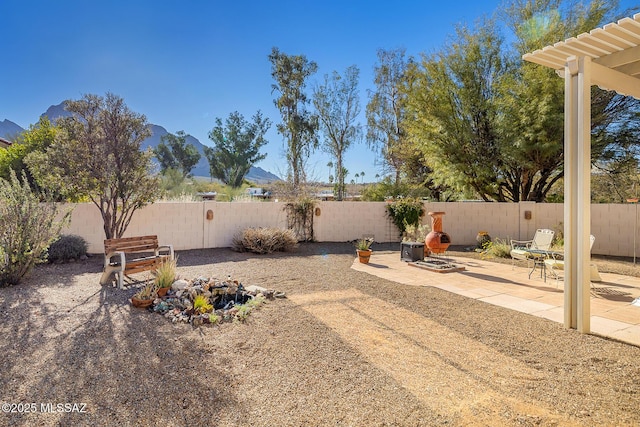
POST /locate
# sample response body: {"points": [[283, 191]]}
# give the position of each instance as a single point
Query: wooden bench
{"points": [[116, 262]]}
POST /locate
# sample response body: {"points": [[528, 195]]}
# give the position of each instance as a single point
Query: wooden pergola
{"points": [[608, 57]]}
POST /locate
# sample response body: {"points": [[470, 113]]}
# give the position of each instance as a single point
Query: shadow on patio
{"points": [[612, 312]]}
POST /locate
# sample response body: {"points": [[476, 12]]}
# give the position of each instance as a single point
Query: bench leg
{"points": [[106, 277]]}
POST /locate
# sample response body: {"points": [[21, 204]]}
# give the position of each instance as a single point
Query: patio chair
{"points": [[556, 265], [541, 241]]}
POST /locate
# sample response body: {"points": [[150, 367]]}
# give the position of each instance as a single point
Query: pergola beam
{"points": [[610, 79]]}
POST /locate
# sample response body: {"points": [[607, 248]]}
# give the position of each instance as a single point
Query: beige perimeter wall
{"points": [[185, 225]]}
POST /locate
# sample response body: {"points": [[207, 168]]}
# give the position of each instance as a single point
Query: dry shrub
{"points": [[265, 240]]}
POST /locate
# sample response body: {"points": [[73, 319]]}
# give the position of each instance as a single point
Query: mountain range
{"points": [[10, 130]]}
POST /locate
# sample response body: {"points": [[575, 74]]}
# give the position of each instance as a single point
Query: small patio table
{"points": [[538, 256]]}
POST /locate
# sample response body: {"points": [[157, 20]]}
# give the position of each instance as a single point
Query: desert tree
{"points": [[237, 145], [96, 154], [337, 104], [37, 138], [451, 98], [298, 126], [386, 110], [533, 103], [174, 152]]}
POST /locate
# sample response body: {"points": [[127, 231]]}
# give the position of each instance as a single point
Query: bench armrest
{"points": [[108, 257], [168, 248]]}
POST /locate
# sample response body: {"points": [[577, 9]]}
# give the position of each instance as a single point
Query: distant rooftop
{"points": [[4, 143]]}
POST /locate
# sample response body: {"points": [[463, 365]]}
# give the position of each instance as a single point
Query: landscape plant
{"points": [[497, 248], [237, 146], [386, 111], [166, 273], [405, 212], [300, 217], [28, 228], [37, 138], [265, 240], [67, 247], [201, 304], [97, 154], [174, 153], [337, 104], [299, 126], [147, 292], [364, 244], [415, 232], [245, 309]]}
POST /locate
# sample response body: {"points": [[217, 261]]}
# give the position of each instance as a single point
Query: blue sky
{"points": [[184, 63]]}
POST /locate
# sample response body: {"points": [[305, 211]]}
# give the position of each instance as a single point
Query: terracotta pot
{"points": [[141, 303], [162, 291], [364, 255]]}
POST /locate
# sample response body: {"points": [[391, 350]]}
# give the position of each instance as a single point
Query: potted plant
{"points": [[165, 275], [363, 249], [145, 296]]}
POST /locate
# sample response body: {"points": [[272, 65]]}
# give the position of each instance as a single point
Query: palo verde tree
{"points": [[174, 152], [96, 154], [237, 147], [451, 99], [492, 125], [337, 105], [298, 126], [534, 97]]}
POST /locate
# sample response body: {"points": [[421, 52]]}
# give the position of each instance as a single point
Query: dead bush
{"points": [[265, 240]]}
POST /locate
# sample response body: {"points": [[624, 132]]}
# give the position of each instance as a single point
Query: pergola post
{"points": [[608, 57], [577, 183]]}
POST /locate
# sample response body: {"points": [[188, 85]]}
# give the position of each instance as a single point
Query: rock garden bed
{"points": [[210, 301]]}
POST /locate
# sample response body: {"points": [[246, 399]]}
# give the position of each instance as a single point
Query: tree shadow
{"points": [[72, 343]]}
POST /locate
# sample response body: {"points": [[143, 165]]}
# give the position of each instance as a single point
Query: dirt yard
{"points": [[343, 349]]}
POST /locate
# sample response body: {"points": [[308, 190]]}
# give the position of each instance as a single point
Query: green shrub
{"points": [[67, 247], [405, 212], [496, 249], [28, 228], [265, 240]]}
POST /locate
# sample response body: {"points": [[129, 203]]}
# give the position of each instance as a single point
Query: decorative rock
{"points": [[179, 285], [269, 294], [255, 289]]}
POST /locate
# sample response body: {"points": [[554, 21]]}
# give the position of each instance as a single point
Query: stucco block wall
{"points": [[231, 218], [185, 224], [346, 221]]}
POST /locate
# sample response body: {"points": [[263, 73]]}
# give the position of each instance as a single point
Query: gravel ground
{"points": [[344, 348]]}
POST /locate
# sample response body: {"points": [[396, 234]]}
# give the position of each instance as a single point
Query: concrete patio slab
{"points": [[612, 313]]}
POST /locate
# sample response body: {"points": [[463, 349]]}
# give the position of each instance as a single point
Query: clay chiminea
{"points": [[437, 240]]}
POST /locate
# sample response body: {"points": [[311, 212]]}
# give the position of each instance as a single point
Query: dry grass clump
{"points": [[265, 240]]}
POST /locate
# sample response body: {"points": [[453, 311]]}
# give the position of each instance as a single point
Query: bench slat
{"points": [[131, 244]]}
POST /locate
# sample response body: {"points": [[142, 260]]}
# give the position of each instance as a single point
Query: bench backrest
{"points": [[131, 244]]}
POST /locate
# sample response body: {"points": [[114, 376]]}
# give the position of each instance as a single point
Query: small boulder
{"points": [[179, 285]]}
